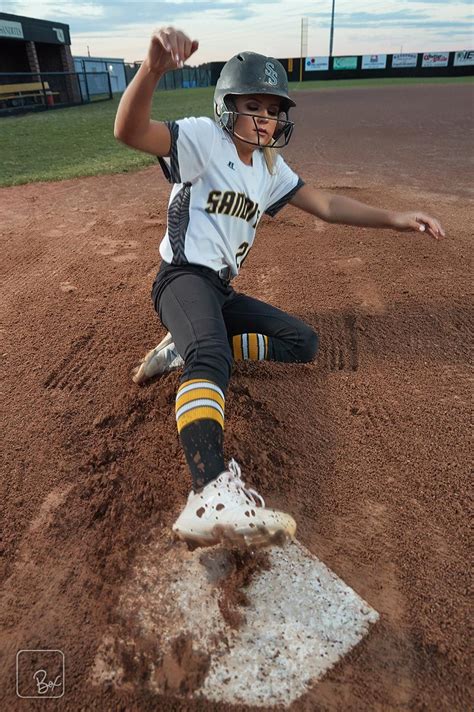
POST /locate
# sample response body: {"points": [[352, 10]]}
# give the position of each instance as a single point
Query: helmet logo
{"points": [[271, 74]]}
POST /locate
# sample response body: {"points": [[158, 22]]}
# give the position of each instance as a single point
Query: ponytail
{"points": [[270, 155]]}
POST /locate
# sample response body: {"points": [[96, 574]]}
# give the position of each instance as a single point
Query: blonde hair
{"points": [[270, 155]]}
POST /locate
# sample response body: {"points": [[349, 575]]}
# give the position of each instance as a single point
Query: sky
{"points": [[122, 29]]}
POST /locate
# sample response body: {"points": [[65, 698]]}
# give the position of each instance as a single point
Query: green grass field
{"points": [[79, 141]]}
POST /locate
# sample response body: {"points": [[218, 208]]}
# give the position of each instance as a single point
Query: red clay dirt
{"points": [[366, 447]]}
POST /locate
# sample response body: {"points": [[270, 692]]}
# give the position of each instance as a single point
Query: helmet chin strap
{"points": [[260, 145]]}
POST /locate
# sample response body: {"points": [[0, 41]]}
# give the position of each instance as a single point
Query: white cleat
{"points": [[227, 511], [161, 359]]}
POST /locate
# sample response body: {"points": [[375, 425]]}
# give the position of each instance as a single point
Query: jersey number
{"points": [[242, 253]]}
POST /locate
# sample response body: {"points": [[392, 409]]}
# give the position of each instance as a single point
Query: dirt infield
{"points": [[367, 447]]}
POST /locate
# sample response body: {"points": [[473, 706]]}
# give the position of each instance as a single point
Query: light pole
{"points": [[303, 44], [332, 28]]}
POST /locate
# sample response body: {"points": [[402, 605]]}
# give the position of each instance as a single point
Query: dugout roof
{"points": [[17, 27]]}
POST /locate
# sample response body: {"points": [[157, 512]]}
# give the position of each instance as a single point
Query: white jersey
{"points": [[217, 201]]}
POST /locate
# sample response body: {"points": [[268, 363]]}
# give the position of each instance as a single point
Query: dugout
{"points": [[32, 46], [37, 70]]}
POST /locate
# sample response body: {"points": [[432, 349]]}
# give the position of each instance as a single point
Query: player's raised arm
{"points": [[169, 49]]}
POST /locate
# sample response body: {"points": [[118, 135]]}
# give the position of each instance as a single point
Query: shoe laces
{"points": [[235, 477]]}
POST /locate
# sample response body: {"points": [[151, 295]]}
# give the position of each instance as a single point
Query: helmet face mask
{"points": [[281, 134], [249, 73]]}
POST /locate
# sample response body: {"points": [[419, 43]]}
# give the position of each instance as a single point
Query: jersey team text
{"points": [[217, 201]]}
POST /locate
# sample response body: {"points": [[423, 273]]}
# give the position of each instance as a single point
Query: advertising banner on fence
{"points": [[374, 61], [464, 59], [344, 63], [404, 60], [435, 59], [316, 64]]}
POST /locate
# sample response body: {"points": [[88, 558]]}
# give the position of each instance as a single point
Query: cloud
{"points": [[53, 10], [445, 3], [84, 16], [122, 27], [402, 18]]}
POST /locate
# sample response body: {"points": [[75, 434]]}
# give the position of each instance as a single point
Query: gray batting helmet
{"points": [[252, 73]]}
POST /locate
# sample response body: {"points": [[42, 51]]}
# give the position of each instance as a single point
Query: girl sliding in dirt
{"points": [[226, 173]]}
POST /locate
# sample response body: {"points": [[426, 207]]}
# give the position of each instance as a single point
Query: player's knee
{"points": [[310, 344], [213, 356]]}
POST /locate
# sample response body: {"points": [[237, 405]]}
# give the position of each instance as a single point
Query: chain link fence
{"points": [[185, 78]]}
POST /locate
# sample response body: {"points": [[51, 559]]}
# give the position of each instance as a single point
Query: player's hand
{"points": [[169, 49], [418, 222]]}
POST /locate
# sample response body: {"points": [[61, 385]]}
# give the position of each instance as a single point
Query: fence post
{"points": [[45, 98], [78, 76], [87, 87]]}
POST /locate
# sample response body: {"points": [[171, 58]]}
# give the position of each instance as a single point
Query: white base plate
{"points": [[301, 619]]}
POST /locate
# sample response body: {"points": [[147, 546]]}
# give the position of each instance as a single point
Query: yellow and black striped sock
{"points": [[200, 406], [250, 347]]}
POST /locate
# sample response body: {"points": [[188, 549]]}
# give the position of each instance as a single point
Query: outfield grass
{"points": [[79, 141]]}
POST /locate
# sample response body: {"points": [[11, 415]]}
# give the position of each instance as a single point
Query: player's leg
{"points": [[190, 306], [257, 331], [191, 309], [260, 331]]}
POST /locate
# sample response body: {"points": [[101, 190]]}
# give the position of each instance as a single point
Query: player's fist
{"points": [[169, 49]]}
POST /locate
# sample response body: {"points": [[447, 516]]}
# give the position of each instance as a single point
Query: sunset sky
{"points": [[112, 28]]}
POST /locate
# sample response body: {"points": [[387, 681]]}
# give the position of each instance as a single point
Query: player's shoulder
{"points": [[282, 169], [198, 123], [197, 130], [280, 162]]}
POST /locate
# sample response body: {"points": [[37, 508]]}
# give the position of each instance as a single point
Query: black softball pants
{"points": [[203, 313]]}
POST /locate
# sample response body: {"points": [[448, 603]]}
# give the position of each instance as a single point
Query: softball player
{"points": [[225, 174]]}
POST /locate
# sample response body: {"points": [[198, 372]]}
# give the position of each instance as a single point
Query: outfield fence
{"points": [[375, 66], [25, 91], [185, 78]]}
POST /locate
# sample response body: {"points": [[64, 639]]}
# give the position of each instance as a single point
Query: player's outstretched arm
{"points": [[168, 49], [352, 212], [346, 211], [312, 201]]}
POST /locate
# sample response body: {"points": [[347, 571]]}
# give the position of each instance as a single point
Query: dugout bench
{"points": [[29, 93]]}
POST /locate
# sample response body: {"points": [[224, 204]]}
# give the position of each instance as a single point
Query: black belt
{"points": [[224, 274]]}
